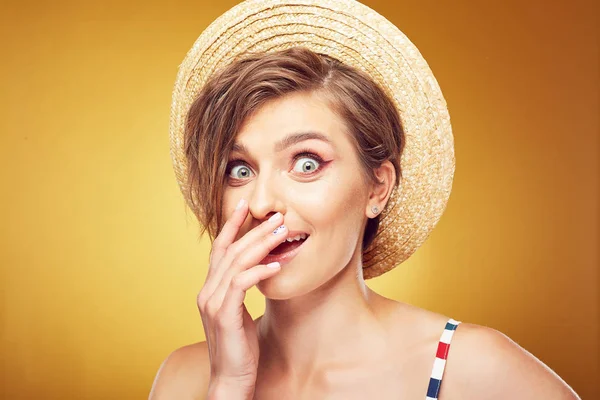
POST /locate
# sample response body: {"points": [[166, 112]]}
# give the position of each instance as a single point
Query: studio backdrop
{"points": [[100, 264]]}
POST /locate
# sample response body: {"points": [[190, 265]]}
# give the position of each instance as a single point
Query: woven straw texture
{"points": [[357, 35]]}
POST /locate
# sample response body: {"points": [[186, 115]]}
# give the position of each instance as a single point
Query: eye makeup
{"points": [[304, 152]]}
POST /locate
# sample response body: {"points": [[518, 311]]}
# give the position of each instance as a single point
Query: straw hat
{"points": [[357, 35]]}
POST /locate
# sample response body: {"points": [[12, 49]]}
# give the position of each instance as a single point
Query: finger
{"points": [[228, 233], [251, 239], [243, 281], [251, 257]]}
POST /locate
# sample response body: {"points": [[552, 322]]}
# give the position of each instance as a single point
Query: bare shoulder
{"points": [[485, 363], [184, 374], [482, 362]]}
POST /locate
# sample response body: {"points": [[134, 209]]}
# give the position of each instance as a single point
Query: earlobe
{"points": [[372, 210]]}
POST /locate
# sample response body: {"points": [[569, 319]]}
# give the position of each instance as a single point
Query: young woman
{"points": [[312, 172]]}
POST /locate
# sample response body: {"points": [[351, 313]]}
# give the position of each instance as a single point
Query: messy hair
{"points": [[231, 95]]}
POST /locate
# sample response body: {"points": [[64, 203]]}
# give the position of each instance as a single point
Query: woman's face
{"points": [[316, 183]]}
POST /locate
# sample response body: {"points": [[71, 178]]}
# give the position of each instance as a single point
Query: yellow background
{"points": [[100, 264]]}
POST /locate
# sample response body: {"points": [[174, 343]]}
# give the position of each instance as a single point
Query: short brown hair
{"points": [[234, 93]]}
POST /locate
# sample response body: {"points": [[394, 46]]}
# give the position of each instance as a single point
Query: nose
{"points": [[265, 198]]}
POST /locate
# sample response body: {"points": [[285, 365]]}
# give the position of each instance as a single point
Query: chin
{"points": [[280, 286], [289, 284]]}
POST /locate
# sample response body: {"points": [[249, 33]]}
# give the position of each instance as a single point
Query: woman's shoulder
{"points": [[481, 362], [484, 362], [184, 374]]}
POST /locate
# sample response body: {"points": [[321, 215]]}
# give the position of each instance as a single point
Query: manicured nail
{"points": [[279, 230], [273, 265], [275, 217], [240, 204]]}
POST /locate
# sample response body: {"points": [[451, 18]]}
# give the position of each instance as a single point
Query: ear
{"points": [[381, 191]]}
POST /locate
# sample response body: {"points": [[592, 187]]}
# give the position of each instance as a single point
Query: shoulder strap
{"points": [[439, 363]]}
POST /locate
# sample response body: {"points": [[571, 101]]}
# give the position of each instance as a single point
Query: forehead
{"points": [[292, 113]]}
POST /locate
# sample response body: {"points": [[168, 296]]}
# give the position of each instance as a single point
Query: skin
{"points": [[324, 333]]}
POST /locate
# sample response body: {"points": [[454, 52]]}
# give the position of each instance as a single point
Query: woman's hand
{"points": [[230, 331]]}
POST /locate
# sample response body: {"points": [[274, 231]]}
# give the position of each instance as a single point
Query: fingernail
{"points": [[240, 204], [273, 265], [275, 217], [279, 230]]}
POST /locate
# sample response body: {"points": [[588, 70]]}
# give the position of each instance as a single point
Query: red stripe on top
{"points": [[442, 350]]}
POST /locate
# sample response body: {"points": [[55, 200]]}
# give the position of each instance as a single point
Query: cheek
{"points": [[230, 200], [328, 201], [228, 204]]}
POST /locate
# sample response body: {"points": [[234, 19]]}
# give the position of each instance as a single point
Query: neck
{"points": [[306, 335]]}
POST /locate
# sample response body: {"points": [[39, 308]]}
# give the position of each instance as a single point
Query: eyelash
{"points": [[302, 153]]}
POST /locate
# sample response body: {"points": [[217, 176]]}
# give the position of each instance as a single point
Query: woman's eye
{"points": [[306, 165], [240, 172]]}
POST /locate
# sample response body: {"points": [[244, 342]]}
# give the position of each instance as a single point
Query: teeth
{"points": [[297, 237]]}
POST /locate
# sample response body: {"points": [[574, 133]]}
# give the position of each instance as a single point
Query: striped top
{"points": [[439, 364]]}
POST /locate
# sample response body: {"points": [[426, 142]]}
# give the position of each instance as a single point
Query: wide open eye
{"points": [[240, 172], [306, 165]]}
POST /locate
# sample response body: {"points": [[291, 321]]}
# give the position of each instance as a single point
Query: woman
{"points": [[314, 167]]}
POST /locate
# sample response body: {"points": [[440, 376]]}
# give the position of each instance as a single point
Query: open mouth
{"points": [[290, 244], [286, 250]]}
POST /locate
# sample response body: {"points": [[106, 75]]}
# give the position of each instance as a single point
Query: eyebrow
{"points": [[288, 141]]}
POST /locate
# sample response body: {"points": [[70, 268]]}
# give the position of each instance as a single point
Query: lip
{"points": [[286, 257]]}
